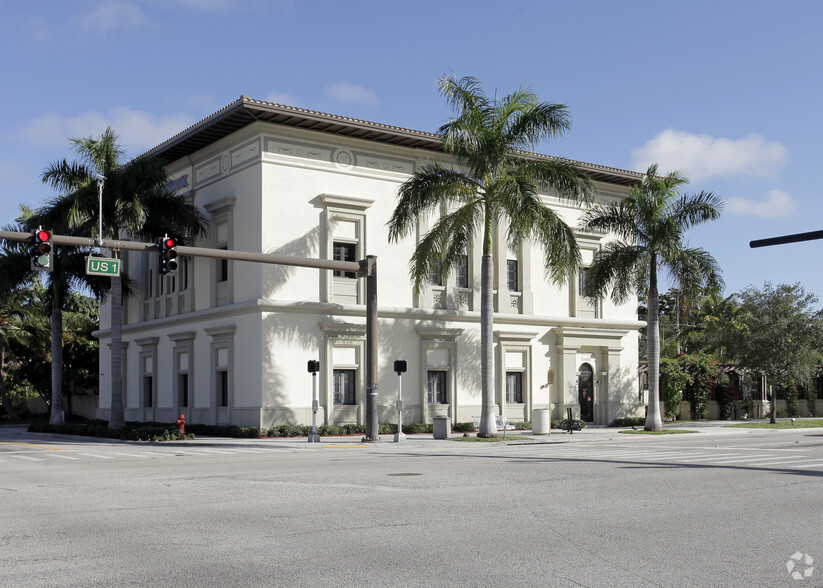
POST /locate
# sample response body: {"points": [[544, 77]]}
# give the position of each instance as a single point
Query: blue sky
{"points": [[729, 92]]}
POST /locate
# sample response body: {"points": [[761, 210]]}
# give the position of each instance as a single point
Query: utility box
{"points": [[442, 427]]}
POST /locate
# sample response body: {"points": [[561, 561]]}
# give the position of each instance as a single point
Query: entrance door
{"points": [[585, 392]]}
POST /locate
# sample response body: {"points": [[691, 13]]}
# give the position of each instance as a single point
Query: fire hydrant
{"points": [[181, 423]]}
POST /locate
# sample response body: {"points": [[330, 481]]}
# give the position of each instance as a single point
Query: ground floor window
{"points": [[514, 387], [223, 387], [344, 386], [438, 391], [183, 388], [148, 391]]}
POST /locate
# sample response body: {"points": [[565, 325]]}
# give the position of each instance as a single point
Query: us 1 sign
{"points": [[101, 266]]}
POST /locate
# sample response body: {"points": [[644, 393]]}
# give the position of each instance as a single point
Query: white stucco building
{"points": [[228, 341]]}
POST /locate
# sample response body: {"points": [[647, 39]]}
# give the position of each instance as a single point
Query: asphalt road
{"points": [[685, 510]]}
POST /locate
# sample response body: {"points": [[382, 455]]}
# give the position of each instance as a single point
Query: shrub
{"points": [[791, 401], [811, 402], [464, 427], [131, 432], [417, 428], [628, 422]]}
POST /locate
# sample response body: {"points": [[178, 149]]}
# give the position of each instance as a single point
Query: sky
{"points": [[728, 92]]}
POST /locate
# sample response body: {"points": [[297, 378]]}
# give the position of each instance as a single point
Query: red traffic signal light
{"points": [[168, 256], [41, 252]]}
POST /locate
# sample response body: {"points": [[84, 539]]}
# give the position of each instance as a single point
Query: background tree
{"points": [[783, 335], [137, 201], [495, 181], [650, 226], [68, 272]]}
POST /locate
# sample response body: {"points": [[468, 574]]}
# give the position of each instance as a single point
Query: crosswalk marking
{"points": [[27, 457], [63, 456], [98, 456]]}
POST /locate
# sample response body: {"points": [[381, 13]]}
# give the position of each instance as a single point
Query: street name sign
{"points": [[102, 266]]}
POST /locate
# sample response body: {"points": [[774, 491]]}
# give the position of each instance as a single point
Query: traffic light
{"points": [[168, 255], [41, 251]]}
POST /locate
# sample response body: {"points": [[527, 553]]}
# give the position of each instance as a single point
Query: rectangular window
{"points": [[514, 387], [148, 394], [223, 387], [438, 394], [434, 278], [183, 389], [343, 386], [223, 267], [583, 283], [512, 279], [462, 276], [344, 252]]}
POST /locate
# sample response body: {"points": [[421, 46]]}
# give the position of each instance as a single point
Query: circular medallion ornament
{"points": [[344, 158]]}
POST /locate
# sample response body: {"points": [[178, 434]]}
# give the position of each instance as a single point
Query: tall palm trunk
{"points": [[653, 420], [488, 425], [56, 358], [116, 414]]}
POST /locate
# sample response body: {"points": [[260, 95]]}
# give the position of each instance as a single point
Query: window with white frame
{"points": [[513, 352], [437, 387], [148, 368], [512, 275], [222, 362], [343, 386], [183, 357], [514, 387], [461, 276], [343, 235], [222, 235], [344, 251]]}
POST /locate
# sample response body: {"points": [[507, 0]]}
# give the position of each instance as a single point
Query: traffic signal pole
{"points": [[366, 268]]}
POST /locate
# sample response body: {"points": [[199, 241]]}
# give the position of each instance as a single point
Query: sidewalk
{"points": [[592, 433]]}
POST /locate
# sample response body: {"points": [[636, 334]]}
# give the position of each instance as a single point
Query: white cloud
{"points": [[703, 156], [114, 16], [283, 99], [351, 93], [208, 5], [778, 203], [136, 129]]}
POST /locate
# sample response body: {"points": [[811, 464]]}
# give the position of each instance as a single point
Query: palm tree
{"points": [[650, 226], [497, 182], [136, 201]]}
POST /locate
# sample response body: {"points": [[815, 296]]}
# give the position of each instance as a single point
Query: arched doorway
{"points": [[585, 392]]}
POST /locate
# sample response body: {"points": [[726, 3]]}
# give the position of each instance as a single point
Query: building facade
{"points": [[227, 342]]}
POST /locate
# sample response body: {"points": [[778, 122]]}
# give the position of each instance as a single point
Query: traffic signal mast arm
{"points": [[361, 268]]}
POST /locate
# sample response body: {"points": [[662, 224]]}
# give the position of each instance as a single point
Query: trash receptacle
{"points": [[441, 427], [541, 422]]}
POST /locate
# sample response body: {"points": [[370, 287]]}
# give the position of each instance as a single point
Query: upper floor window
{"points": [[461, 278], [583, 289], [344, 252], [512, 275]]}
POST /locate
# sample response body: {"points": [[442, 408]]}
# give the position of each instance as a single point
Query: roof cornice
{"points": [[245, 111]]}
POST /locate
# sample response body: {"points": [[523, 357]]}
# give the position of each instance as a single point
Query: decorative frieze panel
{"points": [[371, 161]]}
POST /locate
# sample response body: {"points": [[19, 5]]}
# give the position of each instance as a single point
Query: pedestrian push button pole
{"points": [[313, 368], [400, 368]]}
